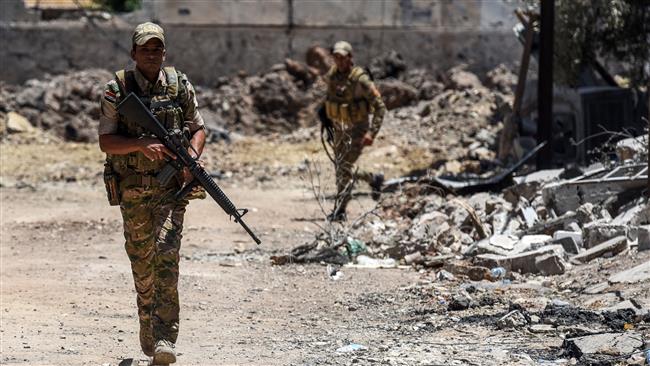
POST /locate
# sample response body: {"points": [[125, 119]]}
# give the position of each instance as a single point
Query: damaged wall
{"points": [[249, 37]]}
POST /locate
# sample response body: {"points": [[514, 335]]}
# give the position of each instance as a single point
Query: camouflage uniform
{"points": [[350, 99], [153, 219]]}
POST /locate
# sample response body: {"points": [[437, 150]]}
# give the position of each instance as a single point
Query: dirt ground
{"points": [[67, 296]]}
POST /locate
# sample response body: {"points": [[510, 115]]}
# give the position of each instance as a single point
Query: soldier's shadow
{"points": [[135, 362]]}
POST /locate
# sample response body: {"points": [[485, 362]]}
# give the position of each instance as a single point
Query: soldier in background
{"points": [[153, 218], [351, 98]]}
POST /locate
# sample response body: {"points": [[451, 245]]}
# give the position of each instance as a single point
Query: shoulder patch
{"points": [[111, 91]]}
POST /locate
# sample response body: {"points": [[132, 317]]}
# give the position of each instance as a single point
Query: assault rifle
{"points": [[133, 108], [326, 132]]}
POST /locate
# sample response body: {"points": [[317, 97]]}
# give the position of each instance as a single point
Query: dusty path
{"points": [[67, 294]]}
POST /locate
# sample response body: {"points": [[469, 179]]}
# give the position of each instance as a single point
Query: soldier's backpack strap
{"points": [[172, 81], [127, 83]]}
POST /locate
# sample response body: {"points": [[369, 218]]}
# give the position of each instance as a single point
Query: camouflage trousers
{"points": [[153, 222], [347, 150]]}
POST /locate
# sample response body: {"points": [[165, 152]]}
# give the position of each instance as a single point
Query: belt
{"points": [[137, 180]]}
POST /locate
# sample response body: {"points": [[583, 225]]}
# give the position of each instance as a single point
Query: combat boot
{"points": [[376, 184], [164, 353]]}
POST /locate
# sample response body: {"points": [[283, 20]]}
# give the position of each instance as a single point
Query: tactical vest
{"points": [[164, 106], [345, 104]]}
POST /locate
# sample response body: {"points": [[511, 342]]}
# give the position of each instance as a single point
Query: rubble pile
{"points": [[537, 225], [554, 255], [422, 105], [272, 102], [65, 105]]}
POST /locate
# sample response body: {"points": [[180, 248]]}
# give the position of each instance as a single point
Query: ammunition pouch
{"points": [[112, 184], [346, 114]]}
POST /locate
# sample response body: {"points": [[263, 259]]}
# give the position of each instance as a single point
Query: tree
{"points": [[616, 30]]}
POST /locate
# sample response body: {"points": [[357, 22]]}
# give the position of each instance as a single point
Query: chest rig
{"points": [[345, 102], [164, 105]]}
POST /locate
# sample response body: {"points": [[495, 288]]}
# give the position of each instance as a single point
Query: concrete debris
{"points": [[571, 241], [633, 149], [597, 232], [514, 319], [610, 247], [460, 301], [541, 328], [538, 260], [596, 289], [610, 344], [550, 265], [595, 187], [643, 238], [17, 123], [640, 273], [65, 104]]}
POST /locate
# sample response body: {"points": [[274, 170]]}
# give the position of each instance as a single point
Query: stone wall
{"points": [[432, 34]]}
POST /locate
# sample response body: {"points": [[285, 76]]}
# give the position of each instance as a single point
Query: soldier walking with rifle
{"points": [[351, 98], [152, 133]]}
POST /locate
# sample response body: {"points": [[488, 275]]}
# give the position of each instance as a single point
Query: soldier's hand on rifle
{"points": [[367, 139], [154, 150], [187, 176]]}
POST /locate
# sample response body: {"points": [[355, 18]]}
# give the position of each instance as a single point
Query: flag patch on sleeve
{"points": [[109, 96]]}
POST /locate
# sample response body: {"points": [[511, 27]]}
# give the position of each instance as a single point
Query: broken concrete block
{"points": [[574, 226], [550, 265], [643, 238], [611, 344], [514, 319], [625, 305], [595, 187], [632, 275], [523, 262], [586, 213], [570, 241], [443, 275], [499, 221], [460, 301], [505, 242], [526, 262], [496, 244], [633, 148], [17, 123], [612, 246], [475, 273], [529, 215], [628, 216], [597, 232], [541, 328], [488, 260], [531, 242], [526, 190], [596, 289], [414, 258]]}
